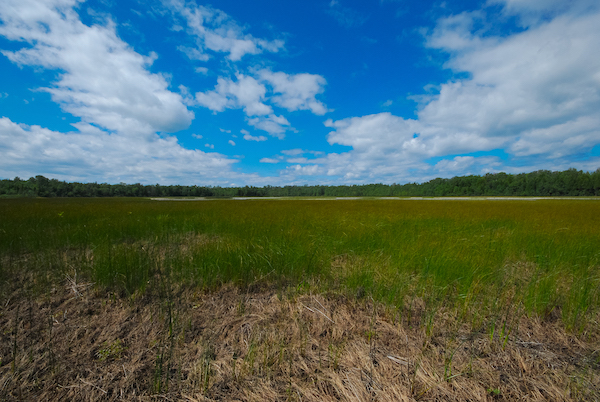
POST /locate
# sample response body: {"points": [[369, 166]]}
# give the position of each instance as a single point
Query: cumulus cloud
{"points": [[297, 91], [246, 93], [290, 91], [303, 170], [269, 160], [379, 136], [544, 77], [532, 12], [465, 165], [102, 80], [296, 156], [383, 145], [533, 93], [257, 93], [293, 152], [94, 155], [259, 138], [216, 31], [108, 85], [272, 124]]}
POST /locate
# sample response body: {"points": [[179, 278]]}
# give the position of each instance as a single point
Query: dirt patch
{"points": [[76, 343]]}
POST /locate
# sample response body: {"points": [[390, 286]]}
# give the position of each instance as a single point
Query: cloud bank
{"points": [[92, 153], [122, 105], [532, 93]]}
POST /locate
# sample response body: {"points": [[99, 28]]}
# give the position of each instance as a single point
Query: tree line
{"points": [[541, 183]]}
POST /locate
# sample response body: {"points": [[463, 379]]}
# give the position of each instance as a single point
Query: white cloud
{"points": [[532, 12], [94, 155], [272, 124], [293, 152], [547, 76], [216, 31], [246, 93], [381, 133], [302, 160], [269, 160], [532, 93], [121, 104], [466, 165], [231, 142], [102, 79], [299, 170], [552, 141], [299, 151], [210, 146], [197, 136], [195, 54], [249, 137], [455, 32], [297, 91], [383, 146], [292, 92]]}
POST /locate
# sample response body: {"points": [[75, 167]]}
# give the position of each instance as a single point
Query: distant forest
{"points": [[570, 182]]}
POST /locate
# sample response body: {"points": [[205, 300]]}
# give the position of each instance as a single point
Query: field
{"points": [[107, 299]]}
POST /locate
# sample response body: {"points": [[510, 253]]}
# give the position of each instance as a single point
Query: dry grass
{"points": [[75, 343]]}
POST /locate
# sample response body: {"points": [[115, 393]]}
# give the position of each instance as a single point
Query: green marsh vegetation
{"points": [[459, 273], [476, 256]]}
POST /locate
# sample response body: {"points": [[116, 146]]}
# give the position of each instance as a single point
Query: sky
{"points": [[270, 92]]}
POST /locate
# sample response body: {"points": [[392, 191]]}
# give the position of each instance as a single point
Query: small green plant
{"points": [[429, 323], [110, 351], [494, 391], [207, 357], [448, 364], [158, 371], [241, 306], [504, 334], [251, 357], [335, 353]]}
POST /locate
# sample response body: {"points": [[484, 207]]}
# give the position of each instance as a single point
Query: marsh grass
{"points": [[453, 271], [452, 253]]}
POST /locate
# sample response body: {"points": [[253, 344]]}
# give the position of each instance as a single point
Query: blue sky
{"points": [[268, 92]]}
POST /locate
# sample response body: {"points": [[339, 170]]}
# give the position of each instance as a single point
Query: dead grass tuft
{"points": [[233, 345]]}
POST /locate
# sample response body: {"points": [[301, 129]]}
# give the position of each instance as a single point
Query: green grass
{"points": [[477, 258]]}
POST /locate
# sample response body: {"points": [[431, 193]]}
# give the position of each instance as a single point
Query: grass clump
{"points": [[111, 350]]}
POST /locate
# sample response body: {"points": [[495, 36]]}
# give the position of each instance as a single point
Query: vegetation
{"points": [[540, 183], [299, 299]]}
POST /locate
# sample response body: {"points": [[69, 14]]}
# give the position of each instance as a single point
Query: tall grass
{"points": [[473, 257]]}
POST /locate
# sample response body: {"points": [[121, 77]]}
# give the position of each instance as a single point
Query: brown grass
{"points": [[75, 343]]}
